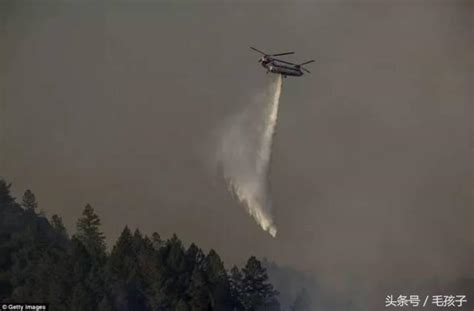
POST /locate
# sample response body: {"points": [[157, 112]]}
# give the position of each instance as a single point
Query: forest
{"points": [[40, 262]]}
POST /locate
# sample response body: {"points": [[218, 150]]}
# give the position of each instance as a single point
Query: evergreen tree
{"points": [[89, 260], [40, 262], [6, 247], [121, 262], [173, 277], [216, 276], [58, 226], [30, 248], [82, 298], [156, 240], [236, 288], [53, 273], [145, 256], [5, 196], [88, 282], [175, 257], [130, 268], [88, 232], [198, 292], [29, 201], [194, 258], [120, 268], [257, 293]]}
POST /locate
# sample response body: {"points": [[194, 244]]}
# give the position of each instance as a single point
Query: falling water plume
{"points": [[245, 152]]}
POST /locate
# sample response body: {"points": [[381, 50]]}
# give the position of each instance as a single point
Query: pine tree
{"points": [[121, 262], [198, 292], [130, 268], [194, 258], [90, 259], [172, 279], [53, 273], [42, 263], [257, 293], [216, 276], [156, 240], [82, 298], [236, 288], [7, 221], [58, 226], [175, 259], [5, 196], [29, 201], [88, 232], [88, 282]]}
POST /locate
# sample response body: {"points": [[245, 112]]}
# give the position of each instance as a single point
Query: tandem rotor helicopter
{"points": [[278, 66]]}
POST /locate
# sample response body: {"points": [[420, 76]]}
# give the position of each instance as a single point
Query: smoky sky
{"points": [[118, 104]]}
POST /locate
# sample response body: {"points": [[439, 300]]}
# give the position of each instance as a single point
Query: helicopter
{"points": [[278, 66]]}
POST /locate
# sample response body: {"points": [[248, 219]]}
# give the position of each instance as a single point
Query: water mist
{"points": [[245, 150]]}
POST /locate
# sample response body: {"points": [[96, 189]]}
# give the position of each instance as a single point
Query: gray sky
{"points": [[118, 105]]}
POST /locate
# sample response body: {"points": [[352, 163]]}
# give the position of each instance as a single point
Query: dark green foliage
{"points": [[156, 240], [198, 292], [33, 265], [39, 262], [58, 226], [59, 229], [7, 213], [87, 275], [88, 232], [236, 288], [173, 275], [122, 259], [29, 201], [129, 270], [5, 196], [194, 257], [257, 293], [218, 282]]}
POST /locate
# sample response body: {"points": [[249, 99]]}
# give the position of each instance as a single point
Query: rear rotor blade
{"points": [[310, 61], [306, 70], [280, 54], [256, 50], [282, 61]]}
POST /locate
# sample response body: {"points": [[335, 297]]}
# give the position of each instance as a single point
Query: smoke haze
{"points": [[113, 103]]}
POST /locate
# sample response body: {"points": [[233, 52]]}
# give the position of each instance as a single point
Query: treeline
{"points": [[39, 262]]}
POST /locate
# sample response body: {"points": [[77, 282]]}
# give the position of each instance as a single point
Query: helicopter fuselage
{"points": [[274, 66], [279, 66]]}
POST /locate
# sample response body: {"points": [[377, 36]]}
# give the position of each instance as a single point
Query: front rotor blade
{"points": [[280, 54], [306, 70], [310, 61], [256, 50]]}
